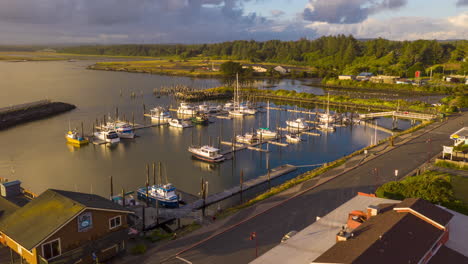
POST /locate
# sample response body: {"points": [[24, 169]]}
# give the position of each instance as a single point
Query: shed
{"points": [[10, 189]]}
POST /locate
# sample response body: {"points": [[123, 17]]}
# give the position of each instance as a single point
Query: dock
{"points": [[258, 149], [398, 114]]}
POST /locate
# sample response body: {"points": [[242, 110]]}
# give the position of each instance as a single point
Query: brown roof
{"points": [[446, 255], [427, 209], [390, 237]]}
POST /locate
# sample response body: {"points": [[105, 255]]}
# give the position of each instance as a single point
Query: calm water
{"points": [[36, 152]]}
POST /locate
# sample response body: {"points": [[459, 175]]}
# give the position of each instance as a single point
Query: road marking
{"points": [[184, 260]]}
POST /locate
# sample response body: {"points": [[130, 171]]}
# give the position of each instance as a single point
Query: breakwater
{"points": [[18, 114]]}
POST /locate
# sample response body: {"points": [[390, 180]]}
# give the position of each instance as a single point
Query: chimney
{"points": [[372, 210]]}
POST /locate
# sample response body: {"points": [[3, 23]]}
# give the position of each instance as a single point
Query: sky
{"points": [[208, 21]]}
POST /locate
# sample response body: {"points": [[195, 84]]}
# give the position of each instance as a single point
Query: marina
{"points": [[88, 167]]}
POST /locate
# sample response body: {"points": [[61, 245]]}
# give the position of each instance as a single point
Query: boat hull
{"points": [[76, 141], [200, 157], [141, 194]]}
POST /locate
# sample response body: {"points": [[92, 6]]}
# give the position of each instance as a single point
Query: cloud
{"points": [[277, 13], [462, 2], [347, 11], [399, 28]]}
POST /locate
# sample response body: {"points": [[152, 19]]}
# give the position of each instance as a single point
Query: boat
{"points": [[204, 108], [248, 138], [109, 136], [293, 138], [228, 106], [129, 199], [160, 114], [298, 123], [327, 117], [73, 137], [266, 132], [326, 127], [174, 122], [164, 195], [186, 109], [215, 108], [236, 106], [207, 153], [246, 109], [124, 129], [201, 119]]}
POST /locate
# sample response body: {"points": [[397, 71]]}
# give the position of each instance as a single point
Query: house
{"points": [[364, 76], [66, 227], [346, 77], [281, 69], [257, 68], [367, 229]]}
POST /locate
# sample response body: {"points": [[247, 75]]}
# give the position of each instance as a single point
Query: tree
{"points": [[230, 68]]}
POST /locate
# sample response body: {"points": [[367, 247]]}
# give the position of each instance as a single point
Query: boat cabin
{"points": [[209, 151], [112, 135]]}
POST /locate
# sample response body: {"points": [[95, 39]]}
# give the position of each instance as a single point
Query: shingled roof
{"points": [[37, 220], [423, 207]]}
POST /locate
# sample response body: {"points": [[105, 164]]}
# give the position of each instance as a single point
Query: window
{"points": [[51, 249], [115, 222]]}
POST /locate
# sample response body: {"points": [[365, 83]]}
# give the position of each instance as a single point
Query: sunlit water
{"points": [[36, 152]]}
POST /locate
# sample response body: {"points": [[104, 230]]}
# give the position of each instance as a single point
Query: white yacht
{"points": [[109, 136], [297, 124], [123, 129], [207, 153], [248, 138], [246, 109], [327, 127], [204, 108], [160, 114], [174, 122], [293, 138], [186, 109], [228, 106]]}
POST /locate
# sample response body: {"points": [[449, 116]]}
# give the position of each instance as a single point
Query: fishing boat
{"points": [[109, 136], [293, 138], [248, 138], [186, 109], [207, 153], [73, 137], [160, 114], [164, 195], [267, 132], [124, 129], [201, 119], [174, 122], [298, 123]]}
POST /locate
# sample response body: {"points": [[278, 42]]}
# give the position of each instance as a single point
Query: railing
{"points": [[399, 114]]}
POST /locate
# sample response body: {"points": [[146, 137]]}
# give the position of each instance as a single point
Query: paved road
{"points": [[234, 245]]}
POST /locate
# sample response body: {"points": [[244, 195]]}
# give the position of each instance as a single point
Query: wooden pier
{"points": [[405, 115]]}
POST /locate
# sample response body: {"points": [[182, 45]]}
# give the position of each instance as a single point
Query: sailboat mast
{"points": [[237, 94], [268, 114]]}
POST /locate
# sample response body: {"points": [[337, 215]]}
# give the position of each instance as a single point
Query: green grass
{"points": [[460, 188], [449, 165]]}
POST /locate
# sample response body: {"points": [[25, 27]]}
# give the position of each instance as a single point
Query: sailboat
{"points": [[236, 110], [266, 132], [327, 119]]}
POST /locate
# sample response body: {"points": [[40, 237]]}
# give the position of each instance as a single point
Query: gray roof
{"points": [[37, 220], [433, 212], [6, 207]]}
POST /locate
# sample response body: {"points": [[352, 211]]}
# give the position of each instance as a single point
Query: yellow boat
{"points": [[76, 139]]}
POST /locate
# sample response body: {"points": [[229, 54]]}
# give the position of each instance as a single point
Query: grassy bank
{"points": [[436, 187]]}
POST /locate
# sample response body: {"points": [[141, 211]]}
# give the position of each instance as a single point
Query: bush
{"points": [[138, 249]]}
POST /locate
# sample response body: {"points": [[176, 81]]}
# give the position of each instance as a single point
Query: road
{"points": [[284, 213]]}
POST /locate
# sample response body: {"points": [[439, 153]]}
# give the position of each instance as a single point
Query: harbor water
{"points": [[36, 152]]}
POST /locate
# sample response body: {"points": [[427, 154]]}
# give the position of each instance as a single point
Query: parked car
{"points": [[288, 236]]}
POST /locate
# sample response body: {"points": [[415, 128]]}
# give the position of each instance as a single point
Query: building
{"points": [[259, 68], [364, 76], [346, 77], [367, 229], [66, 227], [384, 79], [281, 69], [460, 137]]}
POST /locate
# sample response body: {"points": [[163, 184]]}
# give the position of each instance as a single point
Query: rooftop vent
{"points": [[372, 210]]}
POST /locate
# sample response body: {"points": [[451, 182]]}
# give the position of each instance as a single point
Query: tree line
{"points": [[330, 55]]}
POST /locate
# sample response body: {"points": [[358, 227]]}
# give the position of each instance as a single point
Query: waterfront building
{"points": [[65, 227], [367, 229]]}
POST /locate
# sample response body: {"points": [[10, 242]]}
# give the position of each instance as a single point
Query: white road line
{"points": [[184, 260]]}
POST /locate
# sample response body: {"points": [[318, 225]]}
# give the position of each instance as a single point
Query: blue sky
{"points": [[208, 21]]}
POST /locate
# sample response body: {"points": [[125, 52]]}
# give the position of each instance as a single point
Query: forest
{"points": [[330, 55]]}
